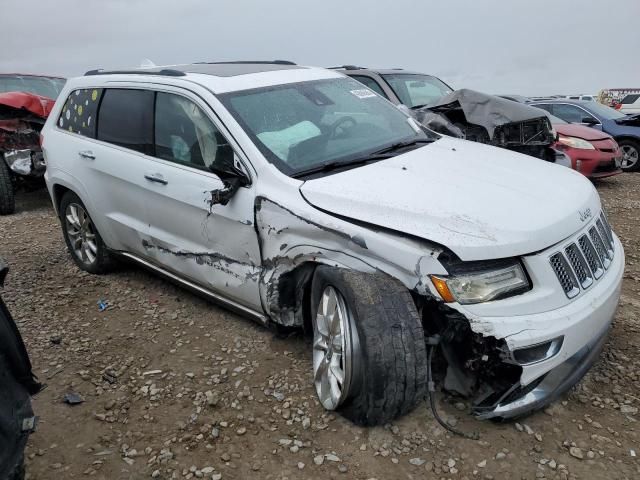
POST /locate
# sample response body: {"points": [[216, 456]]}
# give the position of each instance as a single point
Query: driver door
{"points": [[215, 246]]}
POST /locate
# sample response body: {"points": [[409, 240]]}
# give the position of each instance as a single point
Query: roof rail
{"points": [[347, 67], [249, 62], [165, 72]]}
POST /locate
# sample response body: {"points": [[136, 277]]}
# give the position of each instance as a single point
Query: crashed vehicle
{"points": [[25, 103], [299, 198], [17, 385], [464, 113]]}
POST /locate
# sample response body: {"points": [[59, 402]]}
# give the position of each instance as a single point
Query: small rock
{"points": [[318, 459], [576, 452], [417, 461], [331, 457]]}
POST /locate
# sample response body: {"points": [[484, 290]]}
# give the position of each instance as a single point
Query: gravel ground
{"points": [[175, 387]]}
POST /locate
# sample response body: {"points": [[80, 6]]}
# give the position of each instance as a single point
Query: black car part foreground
{"points": [[17, 384]]}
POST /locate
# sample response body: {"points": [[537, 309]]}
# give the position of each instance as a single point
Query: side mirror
{"points": [[228, 168], [590, 121]]}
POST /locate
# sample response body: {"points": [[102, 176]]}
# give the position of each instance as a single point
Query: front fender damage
{"points": [[287, 265]]}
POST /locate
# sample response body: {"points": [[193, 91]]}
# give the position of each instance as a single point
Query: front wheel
{"points": [[369, 352], [630, 155]]}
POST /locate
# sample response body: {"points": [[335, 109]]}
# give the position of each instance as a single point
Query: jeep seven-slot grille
{"points": [[584, 261]]}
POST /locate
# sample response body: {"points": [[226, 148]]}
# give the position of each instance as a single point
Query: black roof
{"points": [[218, 69]]}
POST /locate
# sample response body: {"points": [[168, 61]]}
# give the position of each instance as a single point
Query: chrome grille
{"points": [[565, 275], [600, 248], [608, 228], [585, 260], [605, 237], [579, 265], [591, 255]]}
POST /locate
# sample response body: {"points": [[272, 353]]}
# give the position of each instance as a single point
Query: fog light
{"points": [[538, 352]]}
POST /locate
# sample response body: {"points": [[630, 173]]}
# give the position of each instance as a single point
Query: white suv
{"points": [[299, 197], [630, 104]]}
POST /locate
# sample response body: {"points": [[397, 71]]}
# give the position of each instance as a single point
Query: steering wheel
{"points": [[339, 127]]}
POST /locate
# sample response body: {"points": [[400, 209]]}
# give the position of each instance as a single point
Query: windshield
{"points": [[416, 90], [46, 87], [605, 112], [301, 126]]}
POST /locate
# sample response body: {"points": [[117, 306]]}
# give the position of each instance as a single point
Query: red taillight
{"points": [[617, 106]]}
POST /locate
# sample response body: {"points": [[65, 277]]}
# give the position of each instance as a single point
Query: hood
{"points": [[27, 102], [580, 131], [479, 201]]}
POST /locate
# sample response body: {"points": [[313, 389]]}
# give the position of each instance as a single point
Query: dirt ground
{"points": [[176, 387]]}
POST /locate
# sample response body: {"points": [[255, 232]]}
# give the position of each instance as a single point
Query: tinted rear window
{"points": [[78, 114], [630, 99], [126, 119]]}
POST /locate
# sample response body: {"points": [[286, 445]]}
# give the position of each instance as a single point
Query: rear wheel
{"points": [[81, 236], [630, 154], [7, 193], [369, 352]]}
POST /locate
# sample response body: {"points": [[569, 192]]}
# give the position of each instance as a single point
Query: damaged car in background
{"points": [[25, 103], [300, 198], [464, 113]]}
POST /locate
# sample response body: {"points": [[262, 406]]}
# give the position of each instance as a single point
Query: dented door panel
{"points": [[213, 245]]}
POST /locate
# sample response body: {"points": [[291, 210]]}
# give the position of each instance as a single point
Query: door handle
{"points": [[155, 177], [88, 154]]}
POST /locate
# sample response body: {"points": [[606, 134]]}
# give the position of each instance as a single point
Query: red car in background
{"points": [[593, 153], [25, 103]]}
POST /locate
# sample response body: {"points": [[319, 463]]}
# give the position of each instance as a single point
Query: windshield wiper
{"points": [[383, 154], [401, 145], [327, 167]]}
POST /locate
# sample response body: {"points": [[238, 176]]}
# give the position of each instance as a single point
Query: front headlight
{"points": [[478, 287], [575, 142]]}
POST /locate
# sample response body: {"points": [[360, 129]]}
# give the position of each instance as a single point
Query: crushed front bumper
{"points": [[548, 388], [582, 325]]}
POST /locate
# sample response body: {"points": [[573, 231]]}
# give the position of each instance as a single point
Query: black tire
{"points": [[389, 375], [103, 261], [7, 193], [626, 142]]}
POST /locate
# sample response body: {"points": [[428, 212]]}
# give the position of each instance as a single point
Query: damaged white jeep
{"points": [[299, 197]]}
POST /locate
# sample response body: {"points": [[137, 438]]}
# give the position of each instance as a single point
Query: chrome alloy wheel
{"points": [[630, 156], [81, 234], [332, 349]]}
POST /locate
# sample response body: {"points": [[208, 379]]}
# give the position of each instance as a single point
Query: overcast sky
{"points": [[531, 47]]}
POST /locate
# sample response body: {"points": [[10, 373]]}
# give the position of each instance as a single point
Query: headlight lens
{"points": [[575, 142], [481, 287]]}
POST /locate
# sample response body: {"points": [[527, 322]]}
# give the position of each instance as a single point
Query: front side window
{"points": [[417, 90], [185, 135], [126, 119], [79, 112], [569, 113], [304, 125]]}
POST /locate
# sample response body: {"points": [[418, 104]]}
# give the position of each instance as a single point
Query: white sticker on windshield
{"points": [[363, 93]]}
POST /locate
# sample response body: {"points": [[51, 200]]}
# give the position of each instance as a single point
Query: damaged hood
{"points": [[26, 103], [486, 110], [481, 202]]}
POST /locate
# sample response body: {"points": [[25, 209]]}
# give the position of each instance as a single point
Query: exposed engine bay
{"points": [[492, 120]]}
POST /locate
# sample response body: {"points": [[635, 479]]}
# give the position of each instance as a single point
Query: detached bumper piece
{"points": [[522, 400]]}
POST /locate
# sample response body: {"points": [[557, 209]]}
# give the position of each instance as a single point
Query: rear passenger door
{"points": [[215, 246], [112, 130]]}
